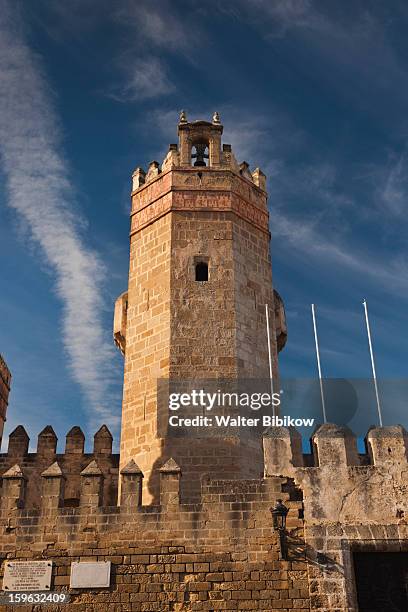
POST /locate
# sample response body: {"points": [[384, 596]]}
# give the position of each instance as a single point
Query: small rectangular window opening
{"points": [[201, 271]]}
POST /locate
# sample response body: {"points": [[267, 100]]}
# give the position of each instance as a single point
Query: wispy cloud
{"points": [[395, 190], [348, 46], [285, 15], [153, 29], [147, 79], [157, 24], [311, 239], [41, 193]]}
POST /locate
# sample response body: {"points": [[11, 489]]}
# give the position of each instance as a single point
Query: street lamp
{"points": [[279, 513]]}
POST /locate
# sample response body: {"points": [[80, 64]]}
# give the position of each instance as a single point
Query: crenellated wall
{"points": [[351, 502], [223, 552], [335, 454], [72, 462], [220, 554]]}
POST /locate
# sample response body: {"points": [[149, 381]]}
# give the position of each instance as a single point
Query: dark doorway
{"points": [[381, 581]]}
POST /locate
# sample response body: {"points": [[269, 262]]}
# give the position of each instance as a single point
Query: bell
{"points": [[200, 154]]}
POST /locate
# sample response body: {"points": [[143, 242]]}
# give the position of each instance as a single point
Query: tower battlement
{"points": [[199, 141]]}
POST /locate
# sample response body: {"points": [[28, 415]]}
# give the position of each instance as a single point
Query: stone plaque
{"points": [[90, 575], [27, 575]]}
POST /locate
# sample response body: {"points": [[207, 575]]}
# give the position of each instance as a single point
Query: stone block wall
{"points": [[253, 290], [147, 344], [221, 554], [352, 502], [203, 317]]}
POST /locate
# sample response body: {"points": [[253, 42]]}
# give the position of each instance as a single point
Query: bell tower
{"points": [[199, 278]]}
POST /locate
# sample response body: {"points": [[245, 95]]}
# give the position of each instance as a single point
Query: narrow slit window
{"points": [[201, 271]]}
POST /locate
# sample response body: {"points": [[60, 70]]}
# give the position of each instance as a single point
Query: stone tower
{"points": [[5, 381], [199, 279]]}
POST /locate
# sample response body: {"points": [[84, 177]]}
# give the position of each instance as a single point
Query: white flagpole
{"points": [[318, 363], [270, 356], [372, 363]]}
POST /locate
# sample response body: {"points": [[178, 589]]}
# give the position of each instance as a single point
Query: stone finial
{"points": [[103, 441], [244, 171], [170, 467], [14, 472], [183, 117], [259, 179], [131, 489], [138, 178], [216, 118], [13, 492], [131, 468], [335, 445], [92, 470], [170, 474], [91, 485], [75, 441], [53, 486], [18, 442], [47, 441], [153, 171], [54, 471]]}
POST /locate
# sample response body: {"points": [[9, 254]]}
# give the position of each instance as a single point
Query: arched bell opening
{"points": [[199, 154]]}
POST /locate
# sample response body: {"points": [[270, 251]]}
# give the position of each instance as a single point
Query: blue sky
{"points": [[315, 93]]}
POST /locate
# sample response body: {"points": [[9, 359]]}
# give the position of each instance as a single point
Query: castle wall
{"points": [[351, 502], [72, 462], [222, 554]]}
